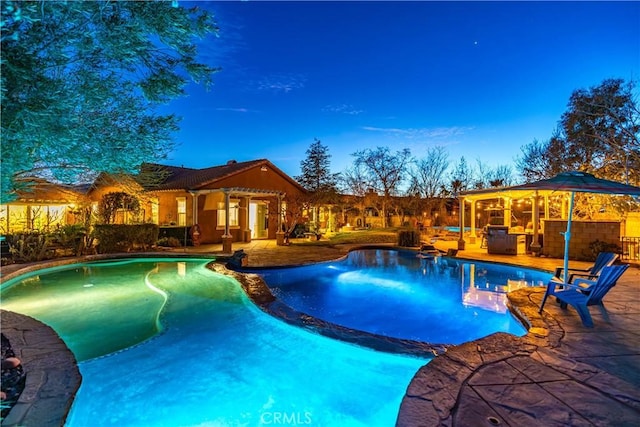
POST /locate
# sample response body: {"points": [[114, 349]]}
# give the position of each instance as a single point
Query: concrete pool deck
{"points": [[560, 373]]}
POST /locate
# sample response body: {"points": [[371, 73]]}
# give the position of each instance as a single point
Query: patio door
{"points": [[259, 220]]}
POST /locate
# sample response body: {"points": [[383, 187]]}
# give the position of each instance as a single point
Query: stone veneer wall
{"points": [[582, 234]]}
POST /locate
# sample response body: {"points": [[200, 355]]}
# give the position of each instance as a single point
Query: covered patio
{"points": [[516, 221]]}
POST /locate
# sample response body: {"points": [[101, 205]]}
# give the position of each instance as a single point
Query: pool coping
{"points": [[51, 370], [260, 294], [453, 370]]}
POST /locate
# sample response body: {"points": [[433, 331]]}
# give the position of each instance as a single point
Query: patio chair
{"points": [[604, 259], [582, 297]]}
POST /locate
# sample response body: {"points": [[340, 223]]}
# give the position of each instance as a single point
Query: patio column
{"points": [[227, 238], [194, 207], [472, 236], [507, 211], [244, 219], [535, 218], [279, 232], [461, 242]]}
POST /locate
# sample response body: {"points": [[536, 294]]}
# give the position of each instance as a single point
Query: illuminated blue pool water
{"points": [[396, 294], [173, 344]]}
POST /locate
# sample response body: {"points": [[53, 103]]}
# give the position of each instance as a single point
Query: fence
{"points": [[630, 248]]}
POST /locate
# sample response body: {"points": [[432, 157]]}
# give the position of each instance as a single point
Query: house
{"points": [[43, 207], [253, 195]]}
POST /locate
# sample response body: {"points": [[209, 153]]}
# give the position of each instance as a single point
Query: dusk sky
{"points": [[482, 79]]}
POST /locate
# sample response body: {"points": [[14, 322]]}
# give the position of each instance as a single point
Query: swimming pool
{"points": [[171, 343], [396, 294]]}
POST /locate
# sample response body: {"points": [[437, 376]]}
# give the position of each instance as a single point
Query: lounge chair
{"points": [[603, 259], [582, 297]]}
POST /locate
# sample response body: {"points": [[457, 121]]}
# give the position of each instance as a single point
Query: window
{"points": [[182, 210], [155, 213], [233, 214]]}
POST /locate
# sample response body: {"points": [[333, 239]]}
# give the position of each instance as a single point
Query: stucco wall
{"points": [[583, 233]]}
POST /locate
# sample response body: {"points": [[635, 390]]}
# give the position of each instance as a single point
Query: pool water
{"points": [[394, 293], [171, 343]]}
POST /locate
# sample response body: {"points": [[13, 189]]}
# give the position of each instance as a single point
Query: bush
{"points": [[598, 246], [123, 238], [71, 238], [29, 246], [170, 242], [178, 233], [409, 238]]}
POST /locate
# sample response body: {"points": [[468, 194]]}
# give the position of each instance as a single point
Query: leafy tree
{"points": [[384, 171], [112, 202], [316, 176], [81, 82], [599, 133]]}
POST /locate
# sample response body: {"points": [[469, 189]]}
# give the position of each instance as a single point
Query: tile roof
{"points": [[181, 178]]}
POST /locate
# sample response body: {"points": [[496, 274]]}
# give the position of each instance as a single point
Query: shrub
{"points": [[123, 238], [409, 238], [29, 246], [180, 233], [598, 246], [70, 237], [170, 242]]}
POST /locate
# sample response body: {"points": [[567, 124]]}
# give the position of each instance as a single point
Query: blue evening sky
{"points": [[479, 78]]}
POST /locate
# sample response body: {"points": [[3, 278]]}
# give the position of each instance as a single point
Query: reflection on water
{"points": [[394, 293]]}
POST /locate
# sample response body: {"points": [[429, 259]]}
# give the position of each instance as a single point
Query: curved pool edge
{"points": [[260, 294], [17, 270], [52, 374], [423, 403]]}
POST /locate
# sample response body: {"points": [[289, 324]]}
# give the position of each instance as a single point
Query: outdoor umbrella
{"points": [[577, 182]]}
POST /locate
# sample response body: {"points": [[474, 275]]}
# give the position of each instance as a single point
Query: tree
{"points": [[602, 130], [81, 82], [385, 172], [428, 178], [353, 181], [461, 177], [316, 176], [111, 203], [599, 133]]}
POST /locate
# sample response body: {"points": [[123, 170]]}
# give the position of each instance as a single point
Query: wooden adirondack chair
{"points": [[580, 296]]}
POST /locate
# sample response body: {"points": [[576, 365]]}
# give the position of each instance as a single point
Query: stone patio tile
{"points": [[473, 411], [565, 364], [416, 412], [600, 344], [596, 407], [439, 384], [624, 367], [624, 306], [529, 405], [498, 373], [536, 371]]}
